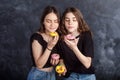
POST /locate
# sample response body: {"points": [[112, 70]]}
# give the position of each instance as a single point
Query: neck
{"points": [[75, 33], [47, 32]]}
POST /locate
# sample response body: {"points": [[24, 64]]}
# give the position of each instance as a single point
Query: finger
{"points": [[56, 62], [51, 61], [65, 72], [75, 40], [56, 37], [67, 42]]}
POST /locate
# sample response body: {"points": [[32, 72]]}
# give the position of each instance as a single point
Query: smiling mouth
{"points": [[52, 28]]}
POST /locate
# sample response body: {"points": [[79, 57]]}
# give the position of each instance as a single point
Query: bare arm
{"points": [[40, 56], [86, 61]]}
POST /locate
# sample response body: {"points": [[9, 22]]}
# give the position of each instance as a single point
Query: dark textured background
{"points": [[20, 18]]}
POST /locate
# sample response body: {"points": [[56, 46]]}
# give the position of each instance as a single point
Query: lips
{"points": [[70, 26], [52, 28]]}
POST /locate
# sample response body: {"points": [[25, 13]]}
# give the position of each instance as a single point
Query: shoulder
{"points": [[36, 36], [87, 33]]}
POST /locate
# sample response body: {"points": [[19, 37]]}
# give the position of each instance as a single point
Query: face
{"points": [[51, 22], [71, 23]]}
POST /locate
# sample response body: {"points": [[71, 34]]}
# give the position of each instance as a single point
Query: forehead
{"points": [[51, 16], [70, 15]]}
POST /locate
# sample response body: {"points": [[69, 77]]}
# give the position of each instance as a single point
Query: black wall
{"points": [[20, 18]]}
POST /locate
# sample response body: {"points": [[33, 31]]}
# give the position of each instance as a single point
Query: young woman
{"points": [[76, 46], [43, 45]]}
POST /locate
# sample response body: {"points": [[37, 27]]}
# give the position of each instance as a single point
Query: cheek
{"points": [[46, 24], [57, 25], [76, 25], [66, 24]]}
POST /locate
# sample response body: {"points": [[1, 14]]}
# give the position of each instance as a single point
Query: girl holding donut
{"points": [[76, 46], [43, 44]]}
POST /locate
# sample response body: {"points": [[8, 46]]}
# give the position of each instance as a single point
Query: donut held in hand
{"points": [[53, 34], [70, 37], [60, 69], [55, 56]]}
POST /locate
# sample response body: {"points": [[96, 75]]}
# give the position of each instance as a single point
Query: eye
{"points": [[74, 19], [48, 21], [56, 21], [67, 20]]}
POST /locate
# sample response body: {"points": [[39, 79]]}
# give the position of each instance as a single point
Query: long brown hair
{"points": [[47, 10], [82, 25]]}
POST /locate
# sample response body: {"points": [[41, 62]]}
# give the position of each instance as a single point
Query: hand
{"points": [[71, 43], [61, 69], [64, 70], [54, 62], [52, 41]]}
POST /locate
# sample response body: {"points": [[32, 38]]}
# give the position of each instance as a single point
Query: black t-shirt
{"points": [[43, 43], [85, 45]]}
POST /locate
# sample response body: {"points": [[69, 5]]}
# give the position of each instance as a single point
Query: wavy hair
{"points": [[47, 10], [82, 25]]}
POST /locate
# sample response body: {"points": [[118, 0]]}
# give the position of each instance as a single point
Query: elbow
{"points": [[88, 65], [39, 65]]}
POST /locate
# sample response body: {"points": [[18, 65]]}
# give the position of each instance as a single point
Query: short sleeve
{"points": [[40, 39], [37, 37], [88, 48]]}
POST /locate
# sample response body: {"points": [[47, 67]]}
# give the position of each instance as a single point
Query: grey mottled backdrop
{"points": [[20, 18]]}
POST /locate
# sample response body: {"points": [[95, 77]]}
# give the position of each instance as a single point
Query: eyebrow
{"points": [[68, 18], [51, 20], [47, 19]]}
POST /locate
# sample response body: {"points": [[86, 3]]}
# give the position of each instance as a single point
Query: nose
{"points": [[70, 22], [52, 23]]}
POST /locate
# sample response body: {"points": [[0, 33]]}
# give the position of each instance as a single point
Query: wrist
{"points": [[49, 49], [75, 48]]}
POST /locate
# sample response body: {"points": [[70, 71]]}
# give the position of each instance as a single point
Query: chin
{"points": [[70, 31], [52, 30]]}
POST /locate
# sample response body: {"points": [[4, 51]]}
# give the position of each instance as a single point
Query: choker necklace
{"points": [[77, 36]]}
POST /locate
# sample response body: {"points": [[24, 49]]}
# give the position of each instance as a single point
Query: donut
{"points": [[53, 34], [60, 69], [70, 37], [55, 56]]}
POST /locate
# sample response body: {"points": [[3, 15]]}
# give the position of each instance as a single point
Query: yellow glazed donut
{"points": [[53, 34], [60, 69]]}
